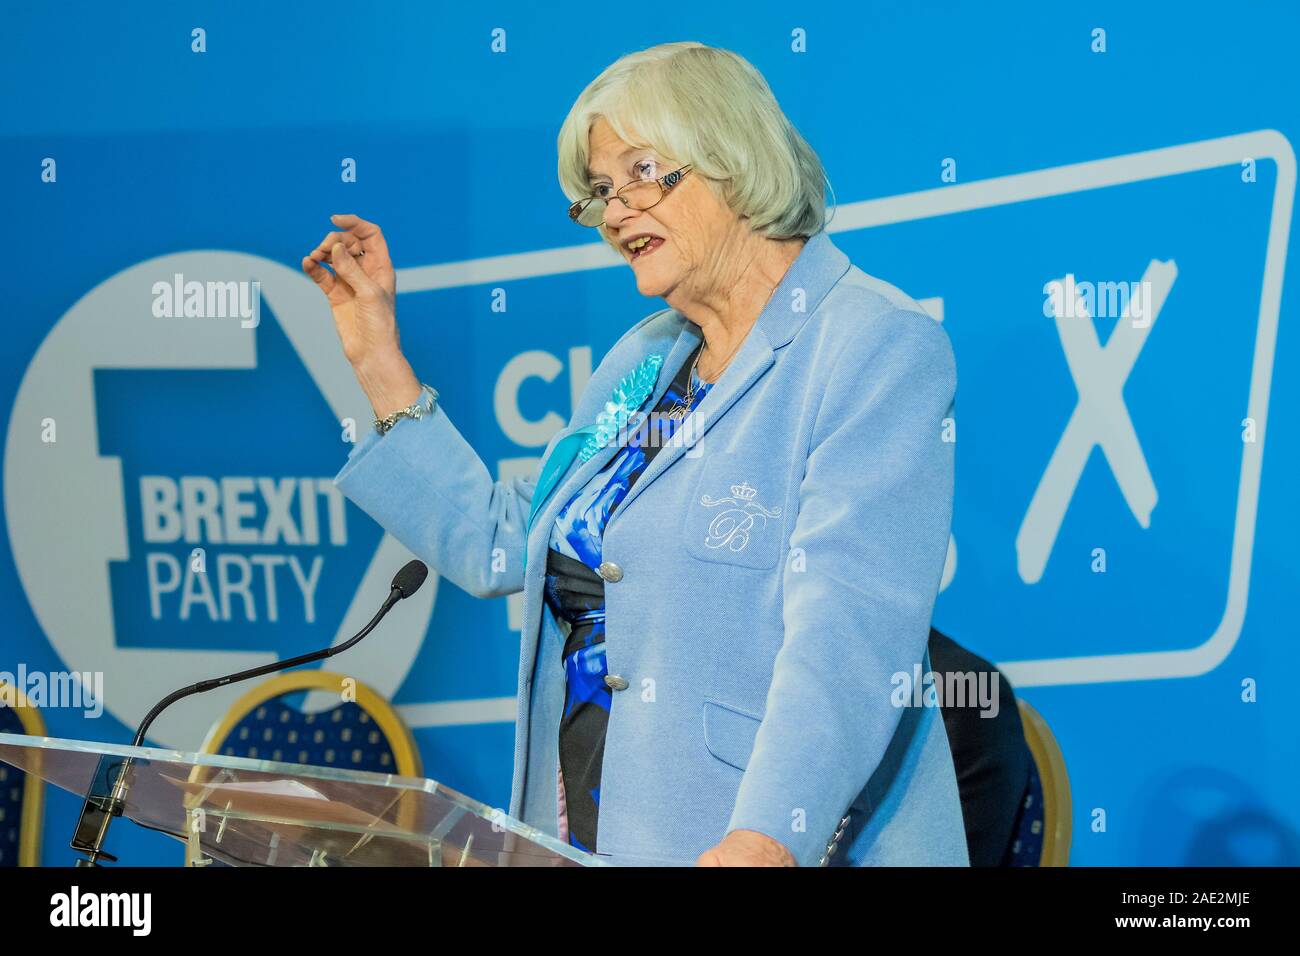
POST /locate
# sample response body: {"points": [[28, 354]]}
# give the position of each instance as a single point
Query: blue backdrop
{"points": [[977, 152]]}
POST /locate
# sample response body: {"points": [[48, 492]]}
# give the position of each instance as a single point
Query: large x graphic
{"points": [[1099, 418]]}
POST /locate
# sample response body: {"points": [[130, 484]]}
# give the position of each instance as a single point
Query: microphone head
{"points": [[408, 580]]}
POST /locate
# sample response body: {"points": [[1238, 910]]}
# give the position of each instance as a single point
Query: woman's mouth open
{"points": [[644, 245]]}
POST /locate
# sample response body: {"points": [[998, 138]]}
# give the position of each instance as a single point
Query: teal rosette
{"points": [[628, 396]]}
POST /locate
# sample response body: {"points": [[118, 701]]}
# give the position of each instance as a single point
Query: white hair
{"points": [[711, 108]]}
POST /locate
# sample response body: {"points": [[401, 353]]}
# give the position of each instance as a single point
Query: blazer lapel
{"points": [[752, 361], [678, 343], [556, 464], [810, 277]]}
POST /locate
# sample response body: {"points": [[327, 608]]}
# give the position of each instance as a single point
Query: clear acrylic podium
{"points": [[246, 812]]}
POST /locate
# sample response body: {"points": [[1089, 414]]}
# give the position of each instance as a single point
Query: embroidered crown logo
{"points": [[743, 491]]}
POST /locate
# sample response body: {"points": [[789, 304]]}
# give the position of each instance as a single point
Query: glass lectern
{"points": [[246, 812]]}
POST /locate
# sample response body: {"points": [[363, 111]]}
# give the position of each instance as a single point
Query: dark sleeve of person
{"points": [[989, 754]]}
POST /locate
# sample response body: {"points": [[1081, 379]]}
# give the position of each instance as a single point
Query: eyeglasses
{"points": [[638, 194]]}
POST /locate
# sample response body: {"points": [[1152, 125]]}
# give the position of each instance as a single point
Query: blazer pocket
{"points": [[736, 514], [729, 733]]}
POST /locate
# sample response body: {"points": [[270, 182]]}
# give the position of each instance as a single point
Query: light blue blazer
{"points": [[778, 571]]}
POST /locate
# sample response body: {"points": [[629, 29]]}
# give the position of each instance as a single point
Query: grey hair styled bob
{"points": [[710, 107]]}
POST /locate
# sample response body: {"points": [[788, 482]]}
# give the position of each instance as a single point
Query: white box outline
{"points": [[1003, 190]]}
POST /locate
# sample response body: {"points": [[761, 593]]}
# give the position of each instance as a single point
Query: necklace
{"points": [[682, 407]]}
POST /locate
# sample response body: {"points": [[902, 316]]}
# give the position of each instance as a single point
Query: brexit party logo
{"points": [[169, 494]]}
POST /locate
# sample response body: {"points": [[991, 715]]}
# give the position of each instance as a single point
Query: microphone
{"points": [[410, 578], [98, 810]]}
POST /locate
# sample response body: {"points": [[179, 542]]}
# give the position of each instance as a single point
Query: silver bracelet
{"points": [[417, 409]]}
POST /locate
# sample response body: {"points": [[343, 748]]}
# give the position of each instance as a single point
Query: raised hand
{"points": [[361, 291]]}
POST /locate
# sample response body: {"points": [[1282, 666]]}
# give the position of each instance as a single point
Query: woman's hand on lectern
{"points": [[361, 291], [747, 848]]}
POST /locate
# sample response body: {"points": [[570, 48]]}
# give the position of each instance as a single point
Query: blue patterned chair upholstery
{"points": [[1026, 847], [267, 724], [345, 736], [1042, 831], [21, 795]]}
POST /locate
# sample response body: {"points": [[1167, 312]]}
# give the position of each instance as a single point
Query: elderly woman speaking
{"points": [[730, 555]]}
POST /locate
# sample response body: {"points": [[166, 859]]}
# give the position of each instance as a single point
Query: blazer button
{"points": [[614, 682], [610, 571]]}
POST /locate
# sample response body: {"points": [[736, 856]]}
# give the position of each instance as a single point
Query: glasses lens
{"points": [[641, 195], [588, 212]]}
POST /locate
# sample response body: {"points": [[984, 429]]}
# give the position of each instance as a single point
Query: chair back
{"points": [[363, 731], [22, 795], [1043, 827]]}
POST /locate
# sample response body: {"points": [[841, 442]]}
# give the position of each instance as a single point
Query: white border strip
{"points": [[454, 713]]}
